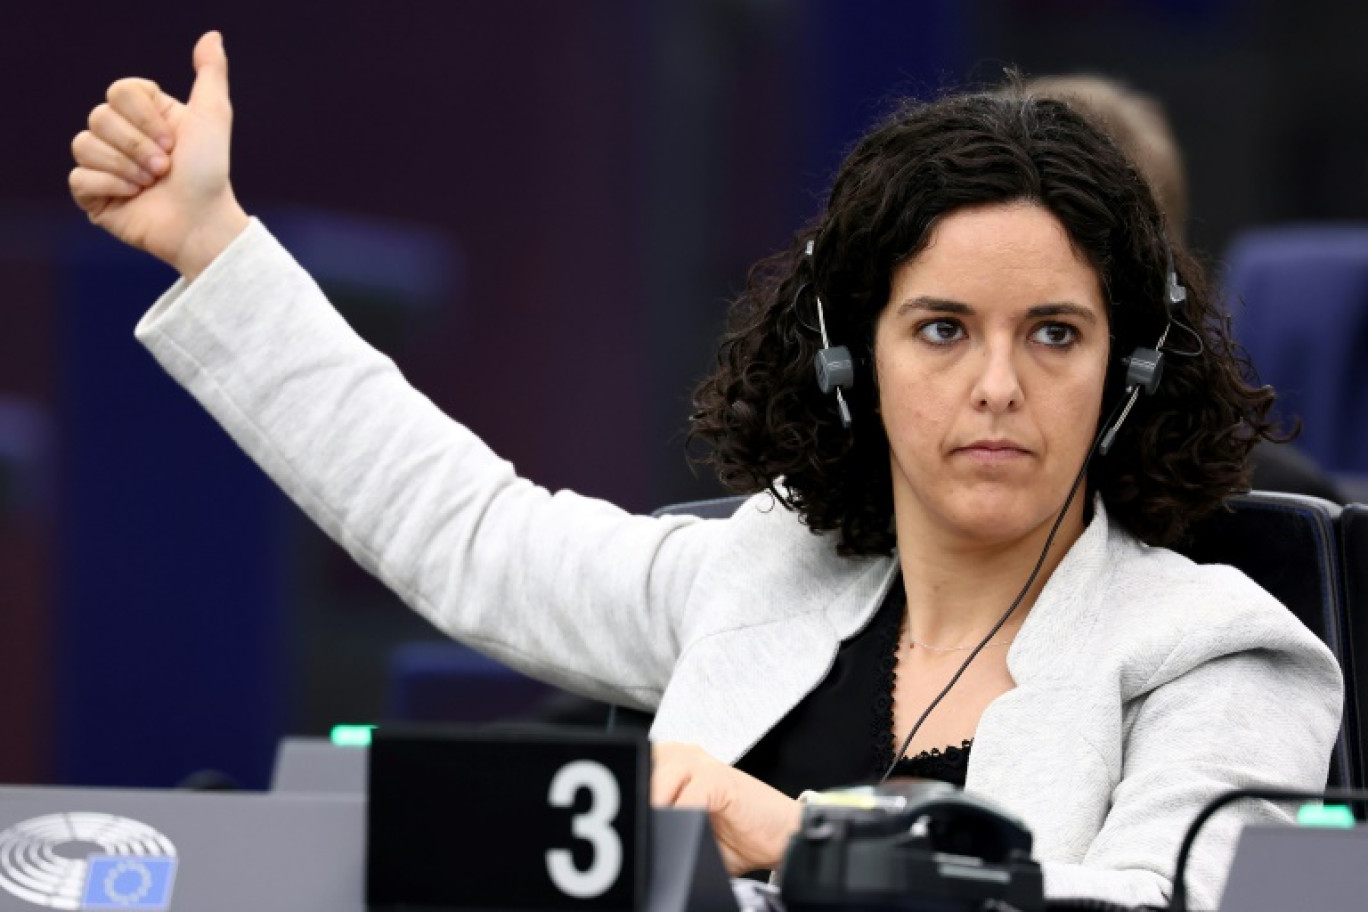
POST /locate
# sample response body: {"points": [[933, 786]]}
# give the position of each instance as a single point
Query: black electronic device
{"points": [[908, 845]]}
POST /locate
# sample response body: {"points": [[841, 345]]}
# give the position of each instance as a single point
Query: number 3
{"points": [[595, 826]]}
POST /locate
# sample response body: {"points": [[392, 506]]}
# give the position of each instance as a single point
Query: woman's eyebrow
{"points": [[935, 305], [946, 306], [1062, 309]]}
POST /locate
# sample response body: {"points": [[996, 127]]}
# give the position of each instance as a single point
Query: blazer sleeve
{"points": [[562, 587], [1265, 716]]}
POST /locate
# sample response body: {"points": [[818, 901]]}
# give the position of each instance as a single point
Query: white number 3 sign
{"points": [[595, 826]]}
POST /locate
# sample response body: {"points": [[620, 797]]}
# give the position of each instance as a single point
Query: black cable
{"points": [[1178, 902], [1040, 562]]}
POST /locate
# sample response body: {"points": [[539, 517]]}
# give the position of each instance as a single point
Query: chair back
{"points": [[1354, 560], [1289, 545]]}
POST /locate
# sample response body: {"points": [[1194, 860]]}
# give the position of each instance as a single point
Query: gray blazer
{"points": [[1145, 684]]}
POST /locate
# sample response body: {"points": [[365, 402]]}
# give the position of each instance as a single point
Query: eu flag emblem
{"points": [[128, 882]]}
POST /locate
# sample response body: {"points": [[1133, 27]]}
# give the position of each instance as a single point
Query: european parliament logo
{"points": [[87, 860], [124, 882]]}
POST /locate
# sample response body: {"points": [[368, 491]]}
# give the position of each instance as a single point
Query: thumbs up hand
{"points": [[153, 171]]}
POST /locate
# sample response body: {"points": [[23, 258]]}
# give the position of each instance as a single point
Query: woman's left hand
{"points": [[751, 821]]}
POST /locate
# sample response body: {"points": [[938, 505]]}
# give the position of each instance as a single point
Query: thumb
{"points": [[211, 72]]}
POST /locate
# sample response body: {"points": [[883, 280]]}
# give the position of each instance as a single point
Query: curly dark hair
{"points": [[764, 423]]}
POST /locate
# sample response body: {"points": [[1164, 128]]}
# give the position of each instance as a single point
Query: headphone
{"points": [[834, 364], [1144, 366]]}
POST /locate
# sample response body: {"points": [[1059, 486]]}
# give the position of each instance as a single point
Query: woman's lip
{"points": [[993, 452], [994, 445]]}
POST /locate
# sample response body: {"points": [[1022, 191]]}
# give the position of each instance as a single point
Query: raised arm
{"points": [[153, 171], [568, 589]]}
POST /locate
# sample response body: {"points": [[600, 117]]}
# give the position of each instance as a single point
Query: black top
{"points": [[842, 733]]}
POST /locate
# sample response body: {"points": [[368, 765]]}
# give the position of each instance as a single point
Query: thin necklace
{"points": [[929, 648]]}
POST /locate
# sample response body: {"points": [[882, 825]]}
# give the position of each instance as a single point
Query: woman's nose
{"points": [[998, 385]]}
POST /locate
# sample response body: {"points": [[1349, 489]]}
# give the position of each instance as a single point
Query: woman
{"points": [[990, 260]]}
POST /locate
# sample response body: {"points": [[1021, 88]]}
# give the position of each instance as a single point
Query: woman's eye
{"points": [[1055, 335], [941, 332]]}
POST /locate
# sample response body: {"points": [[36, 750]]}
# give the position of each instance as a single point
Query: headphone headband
{"points": [[835, 367]]}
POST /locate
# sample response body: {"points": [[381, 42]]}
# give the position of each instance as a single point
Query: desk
{"points": [[1279, 869]]}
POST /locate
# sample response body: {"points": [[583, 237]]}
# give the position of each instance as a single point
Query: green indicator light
{"points": [[1334, 816], [352, 735]]}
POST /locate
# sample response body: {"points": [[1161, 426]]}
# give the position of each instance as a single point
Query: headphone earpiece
{"points": [[834, 365], [1144, 370], [836, 372], [1145, 366], [835, 369]]}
